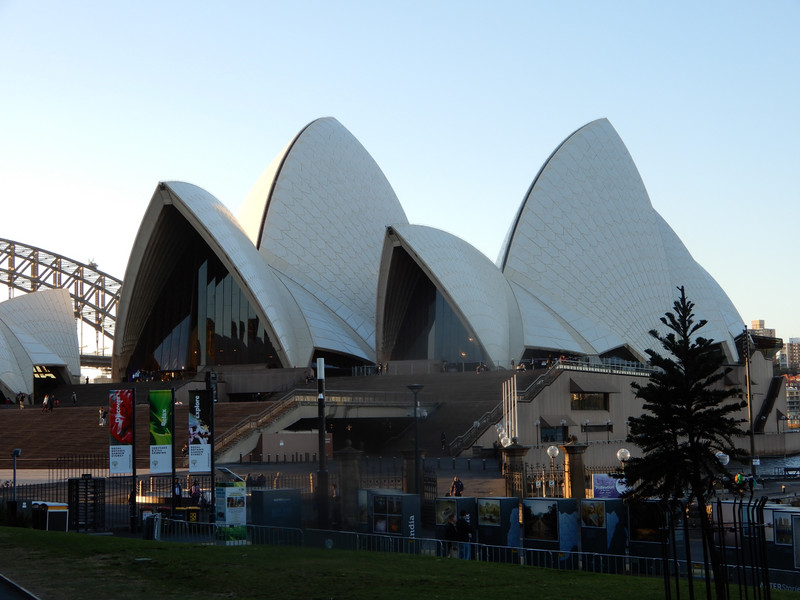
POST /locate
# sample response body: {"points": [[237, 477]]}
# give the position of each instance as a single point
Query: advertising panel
{"points": [[201, 431], [161, 409], [120, 432], [605, 485], [540, 519]]}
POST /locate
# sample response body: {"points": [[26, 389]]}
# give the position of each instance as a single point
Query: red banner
{"points": [[120, 416], [120, 431]]}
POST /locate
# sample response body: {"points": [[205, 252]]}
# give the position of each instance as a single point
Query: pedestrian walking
{"points": [[451, 536], [464, 532]]}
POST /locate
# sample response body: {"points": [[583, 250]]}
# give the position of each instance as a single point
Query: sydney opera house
{"points": [[37, 337], [321, 262]]}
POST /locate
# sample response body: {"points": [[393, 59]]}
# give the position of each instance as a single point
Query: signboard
{"points": [[231, 512], [161, 408], [120, 432], [201, 431], [604, 485]]}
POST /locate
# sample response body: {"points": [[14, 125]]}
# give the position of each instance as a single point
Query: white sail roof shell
{"points": [[218, 228], [473, 285], [589, 246], [588, 265], [37, 329], [319, 213]]}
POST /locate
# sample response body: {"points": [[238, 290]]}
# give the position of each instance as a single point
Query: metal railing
{"points": [[604, 563], [468, 438], [297, 398], [217, 534]]}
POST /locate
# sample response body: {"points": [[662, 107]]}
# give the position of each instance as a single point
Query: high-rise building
{"points": [[757, 328], [793, 403], [790, 355]]}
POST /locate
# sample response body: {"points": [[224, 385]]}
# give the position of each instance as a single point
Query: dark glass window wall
{"points": [[589, 401], [426, 325], [201, 318]]}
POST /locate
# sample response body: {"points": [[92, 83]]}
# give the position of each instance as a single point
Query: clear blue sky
{"points": [[460, 103]]}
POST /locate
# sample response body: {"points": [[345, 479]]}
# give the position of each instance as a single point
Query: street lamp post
{"points": [[415, 388], [724, 459], [623, 454], [749, 402], [322, 474], [537, 422], [586, 429], [552, 452], [15, 453], [608, 431]]}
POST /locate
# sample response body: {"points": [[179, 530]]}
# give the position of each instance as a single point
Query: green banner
{"points": [[161, 407]]}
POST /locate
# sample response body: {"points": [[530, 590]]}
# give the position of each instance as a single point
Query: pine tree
{"points": [[689, 416]]}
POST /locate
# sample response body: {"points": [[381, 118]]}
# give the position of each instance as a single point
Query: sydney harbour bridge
{"points": [[94, 294]]}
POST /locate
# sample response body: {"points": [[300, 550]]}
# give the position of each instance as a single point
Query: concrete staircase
{"points": [[462, 398], [453, 400], [74, 431]]}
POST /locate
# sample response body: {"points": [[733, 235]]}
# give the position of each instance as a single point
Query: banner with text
{"points": [[201, 431], [120, 430], [161, 406]]}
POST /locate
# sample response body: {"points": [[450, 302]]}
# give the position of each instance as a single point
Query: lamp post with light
{"points": [[415, 388], [586, 429], [623, 454], [552, 452], [724, 459], [537, 423], [15, 453]]}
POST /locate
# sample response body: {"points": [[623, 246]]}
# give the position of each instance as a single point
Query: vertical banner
{"points": [[201, 430], [120, 431], [161, 406]]}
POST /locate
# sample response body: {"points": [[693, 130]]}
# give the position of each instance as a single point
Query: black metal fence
{"points": [[69, 467], [98, 501], [675, 569], [739, 540]]}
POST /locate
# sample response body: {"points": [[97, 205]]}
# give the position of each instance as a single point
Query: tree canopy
{"points": [[689, 413]]}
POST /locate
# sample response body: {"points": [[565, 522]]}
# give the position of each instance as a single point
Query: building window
{"points": [[555, 434], [589, 401]]}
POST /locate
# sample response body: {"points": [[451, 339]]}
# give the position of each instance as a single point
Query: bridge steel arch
{"points": [[95, 294]]}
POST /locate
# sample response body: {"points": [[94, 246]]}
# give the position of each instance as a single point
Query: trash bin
{"points": [[148, 526], [192, 514]]}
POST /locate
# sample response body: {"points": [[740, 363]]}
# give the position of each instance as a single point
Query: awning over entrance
{"points": [[591, 382], [555, 421]]}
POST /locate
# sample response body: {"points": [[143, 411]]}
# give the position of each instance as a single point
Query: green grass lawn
{"points": [[67, 566]]}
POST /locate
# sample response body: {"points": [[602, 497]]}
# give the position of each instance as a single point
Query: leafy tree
{"points": [[689, 416]]}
